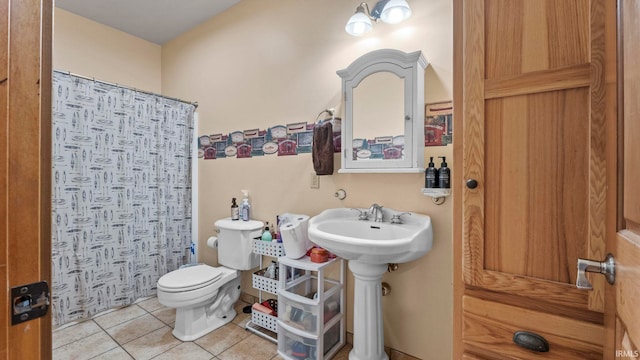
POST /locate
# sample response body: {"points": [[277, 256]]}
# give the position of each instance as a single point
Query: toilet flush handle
{"points": [[606, 267]]}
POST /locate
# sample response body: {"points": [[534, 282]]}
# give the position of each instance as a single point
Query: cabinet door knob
{"points": [[472, 184]]}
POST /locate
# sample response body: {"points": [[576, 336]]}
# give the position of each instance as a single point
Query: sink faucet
{"points": [[375, 212]]}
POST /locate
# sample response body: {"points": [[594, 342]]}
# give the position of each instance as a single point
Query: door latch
{"points": [[606, 267], [29, 302]]}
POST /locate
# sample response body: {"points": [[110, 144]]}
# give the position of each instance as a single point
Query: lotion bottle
{"points": [[245, 207], [431, 175], [444, 173]]}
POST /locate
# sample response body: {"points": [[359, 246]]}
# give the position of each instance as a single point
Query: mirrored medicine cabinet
{"points": [[383, 126]]}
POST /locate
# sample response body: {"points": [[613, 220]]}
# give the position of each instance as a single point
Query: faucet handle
{"points": [[364, 215], [395, 219]]}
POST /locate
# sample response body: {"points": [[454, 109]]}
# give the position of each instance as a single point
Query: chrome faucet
{"points": [[375, 212]]}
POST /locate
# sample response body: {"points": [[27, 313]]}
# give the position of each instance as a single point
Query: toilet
{"points": [[203, 295]]}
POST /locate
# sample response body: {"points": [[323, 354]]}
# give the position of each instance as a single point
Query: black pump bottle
{"points": [[431, 175], [444, 178]]}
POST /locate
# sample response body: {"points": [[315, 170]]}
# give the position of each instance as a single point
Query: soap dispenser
{"points": [[431, 175], [444, 173], [245, 207]]}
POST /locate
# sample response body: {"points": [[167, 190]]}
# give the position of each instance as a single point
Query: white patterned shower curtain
{"points": [[121, 194]]}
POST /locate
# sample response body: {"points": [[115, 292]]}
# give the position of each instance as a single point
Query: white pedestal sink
{"points": [[369, 246]]}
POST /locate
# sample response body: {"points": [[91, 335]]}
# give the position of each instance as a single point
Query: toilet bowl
{"points": [[204, 295]]}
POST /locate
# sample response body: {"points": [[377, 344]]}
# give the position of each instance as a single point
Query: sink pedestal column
{"points": [[368, 332]]}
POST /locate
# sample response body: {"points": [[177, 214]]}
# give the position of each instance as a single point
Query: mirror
{"points": [[378, 112], [383, 127]]}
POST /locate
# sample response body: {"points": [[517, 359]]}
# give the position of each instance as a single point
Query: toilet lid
{"points": [[189, 278]]}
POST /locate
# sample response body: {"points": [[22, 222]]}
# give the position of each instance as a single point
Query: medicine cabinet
{"points": [[383, 126]]}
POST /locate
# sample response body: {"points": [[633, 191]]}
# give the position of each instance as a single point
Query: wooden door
{"points": [[25, 167], [534, 141], [627, 245], [536, 136]]}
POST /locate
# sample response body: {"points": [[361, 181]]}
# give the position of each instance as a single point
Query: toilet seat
{"points": [[189, 278]]}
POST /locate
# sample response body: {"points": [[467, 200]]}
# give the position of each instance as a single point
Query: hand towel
{"points": [[322, 149]]}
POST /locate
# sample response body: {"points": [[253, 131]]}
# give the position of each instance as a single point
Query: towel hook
{"points": [[331, 112]]}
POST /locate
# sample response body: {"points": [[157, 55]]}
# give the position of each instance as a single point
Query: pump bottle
{"points": [[444, 180], [431, 175], [245, 207]]}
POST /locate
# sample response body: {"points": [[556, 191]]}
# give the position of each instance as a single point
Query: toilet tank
{"points": [[235, 243]]}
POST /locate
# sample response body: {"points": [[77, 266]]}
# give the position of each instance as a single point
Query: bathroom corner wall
{"points": [[265, 63], [87, 48]]}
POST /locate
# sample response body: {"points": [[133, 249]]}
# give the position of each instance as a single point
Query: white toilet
{"points": [[204, 295]]}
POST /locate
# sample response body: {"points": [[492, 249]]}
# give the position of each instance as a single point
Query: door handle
{"points": [[606, 267]]}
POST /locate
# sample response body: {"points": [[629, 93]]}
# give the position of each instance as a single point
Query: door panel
{"points": [[537, 35], [627, 245], [539, 186], [25, 170]]}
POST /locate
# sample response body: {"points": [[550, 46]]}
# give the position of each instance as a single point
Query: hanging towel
{"points": [[322, 149]]}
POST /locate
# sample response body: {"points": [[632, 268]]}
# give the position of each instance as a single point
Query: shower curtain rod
{"points": [[194, 103]]}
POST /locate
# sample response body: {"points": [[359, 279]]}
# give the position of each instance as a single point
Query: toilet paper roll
{"points": [[212, 242], [295, 239]]}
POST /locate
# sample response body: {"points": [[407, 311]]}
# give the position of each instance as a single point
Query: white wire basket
{"points": [[264, 283], [268, 248], [268, 322]]}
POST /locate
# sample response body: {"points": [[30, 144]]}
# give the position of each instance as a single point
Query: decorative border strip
{"points": [[292, 139], [297, 138]]}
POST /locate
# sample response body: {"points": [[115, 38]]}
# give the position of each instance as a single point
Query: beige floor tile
{"points": [[343, 354], [119, 316], [73, 333], [241, 319], [223, 338], [115, 354], [186, 351], [86, 348], [152, 344], [135, 328], [166, 315], [253, 347], [151, 304]]}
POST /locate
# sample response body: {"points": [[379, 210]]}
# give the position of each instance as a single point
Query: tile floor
{"points": [[143, 331]]}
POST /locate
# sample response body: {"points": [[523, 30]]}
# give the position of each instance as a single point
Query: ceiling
{"points": [[157, 21]]}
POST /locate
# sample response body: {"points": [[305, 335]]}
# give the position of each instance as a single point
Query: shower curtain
{"points": [[121, 194]]}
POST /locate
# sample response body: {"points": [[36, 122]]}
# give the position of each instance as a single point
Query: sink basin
{"points": [[368, 242]]}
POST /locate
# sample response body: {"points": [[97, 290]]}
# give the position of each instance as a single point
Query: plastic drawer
{"points": [[302, 313], [295, 344], [307, 286]]}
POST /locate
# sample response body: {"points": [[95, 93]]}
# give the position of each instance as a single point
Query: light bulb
{"points": [[358, 24], [395, 11]]}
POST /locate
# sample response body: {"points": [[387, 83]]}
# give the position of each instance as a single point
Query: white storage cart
{"points": [[311, 320]]}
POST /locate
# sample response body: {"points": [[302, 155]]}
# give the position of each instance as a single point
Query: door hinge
{"points": [[29, 302]]}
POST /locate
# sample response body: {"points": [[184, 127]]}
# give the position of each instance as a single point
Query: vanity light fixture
{"points": [[389, 11]]}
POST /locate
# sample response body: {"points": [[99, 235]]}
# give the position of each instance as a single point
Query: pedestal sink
{"points": [[369, 246]]}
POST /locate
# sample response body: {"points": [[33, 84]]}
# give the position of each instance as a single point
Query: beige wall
{"points": [[263, 63], [87, 48]]}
